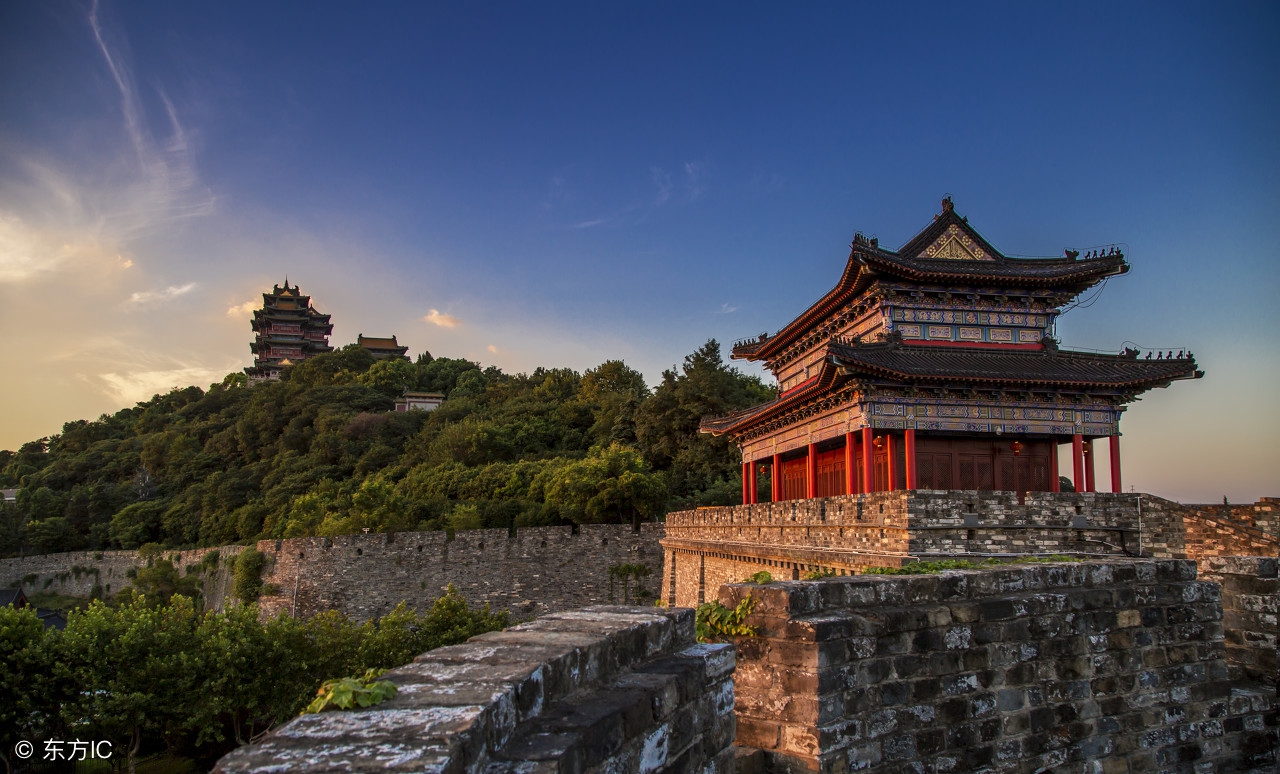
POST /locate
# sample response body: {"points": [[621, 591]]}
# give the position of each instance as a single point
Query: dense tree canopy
{"points": [[321, 452], [146, 675]]}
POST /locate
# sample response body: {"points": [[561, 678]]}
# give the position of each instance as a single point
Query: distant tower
{"points": [[288, 330]]}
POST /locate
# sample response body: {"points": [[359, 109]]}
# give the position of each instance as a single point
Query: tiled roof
{"points": [[372, 342], [868, 261], [988, 366], [1062, 368]]}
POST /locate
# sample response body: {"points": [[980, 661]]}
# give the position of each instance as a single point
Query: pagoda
{"points": [[288, 329], [383, 348], [935, 367]]}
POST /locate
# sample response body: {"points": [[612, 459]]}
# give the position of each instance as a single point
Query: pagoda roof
{"points": [[374, 342], [947, 252], [1049, 367], [969, 366]]}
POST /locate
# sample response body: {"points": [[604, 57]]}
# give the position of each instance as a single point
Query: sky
{"points": [[557, 184]]}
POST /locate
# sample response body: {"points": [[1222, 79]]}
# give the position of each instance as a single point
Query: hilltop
{"points": [[321, 452]]}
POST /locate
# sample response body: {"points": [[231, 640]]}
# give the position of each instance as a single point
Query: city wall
{"points": [[843, 535], [1113, 665], [608, 689], [531, 572]]}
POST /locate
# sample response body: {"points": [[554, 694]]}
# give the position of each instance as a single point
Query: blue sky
{"points": [[557, 184]]}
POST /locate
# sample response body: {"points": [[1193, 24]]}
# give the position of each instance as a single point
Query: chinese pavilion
{"points": [[288, 329], [382, 348], [935, 367]]}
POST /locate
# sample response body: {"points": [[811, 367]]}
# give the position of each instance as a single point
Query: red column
{"points": [[1054, 484], [776, 478], [868, 461], [811, 472], [890, 463], [753, 489], [745, 475], [1088, 465], [1077, 461], [910, 451], [1115, 464], [850, 475]]}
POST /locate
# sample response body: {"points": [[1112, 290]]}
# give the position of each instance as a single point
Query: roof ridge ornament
{"points": [[947, 204]]}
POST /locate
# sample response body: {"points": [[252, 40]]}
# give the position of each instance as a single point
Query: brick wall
{"points": [[1210, 536], [1250, 603], [1263, 515], [1114, 665], [538, 570], [608, 689]]}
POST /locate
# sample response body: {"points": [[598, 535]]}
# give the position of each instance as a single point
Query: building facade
{"points": [[287, 329], [935, 367]]}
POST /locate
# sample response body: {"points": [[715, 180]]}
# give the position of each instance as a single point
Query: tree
{"points": [[247, 578], [701, 469], [135, 669], [611, 485], [23, 663]]}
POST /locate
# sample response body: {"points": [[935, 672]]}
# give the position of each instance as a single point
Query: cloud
{"points": [[242, 311], [138, 386], [156, 296], [726, 309], [695, 179], [662, 181], [436, 317], [588, 223], [492, 348]]}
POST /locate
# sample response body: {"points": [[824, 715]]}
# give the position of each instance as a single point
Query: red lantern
{"points": [[1017, 447]]}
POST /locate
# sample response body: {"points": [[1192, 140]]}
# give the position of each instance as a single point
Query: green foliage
{"points": [[320, 452], [161, 581], [818, 575], [349, 692], [142, 675], [760, 578], [246, 582], [939, 565], [626, 573], [715, 622]]}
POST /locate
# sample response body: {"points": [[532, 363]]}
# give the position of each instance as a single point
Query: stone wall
{"points": [[1104, 666], [535, 571], [846, 534], [1210, 536], [610, 689], [1250, 603], [1263, 515], [75, 574]]}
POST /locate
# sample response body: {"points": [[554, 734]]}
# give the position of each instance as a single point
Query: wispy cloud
{"points": [[137, 386], [588, 223], [726, 309], [493, 348], [695, 179], [242, 311], [144, 297], [436, 317], [662, 182]]}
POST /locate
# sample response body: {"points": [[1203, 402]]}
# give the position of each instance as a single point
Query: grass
{"points": [[939, 565]]}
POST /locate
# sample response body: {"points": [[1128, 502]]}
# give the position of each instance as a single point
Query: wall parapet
{"points": [[611, 688], [1116, 665], [531, 571], [1250, 606]]}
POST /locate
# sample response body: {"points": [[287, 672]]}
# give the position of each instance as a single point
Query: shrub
{"points": [[247, 584]]}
